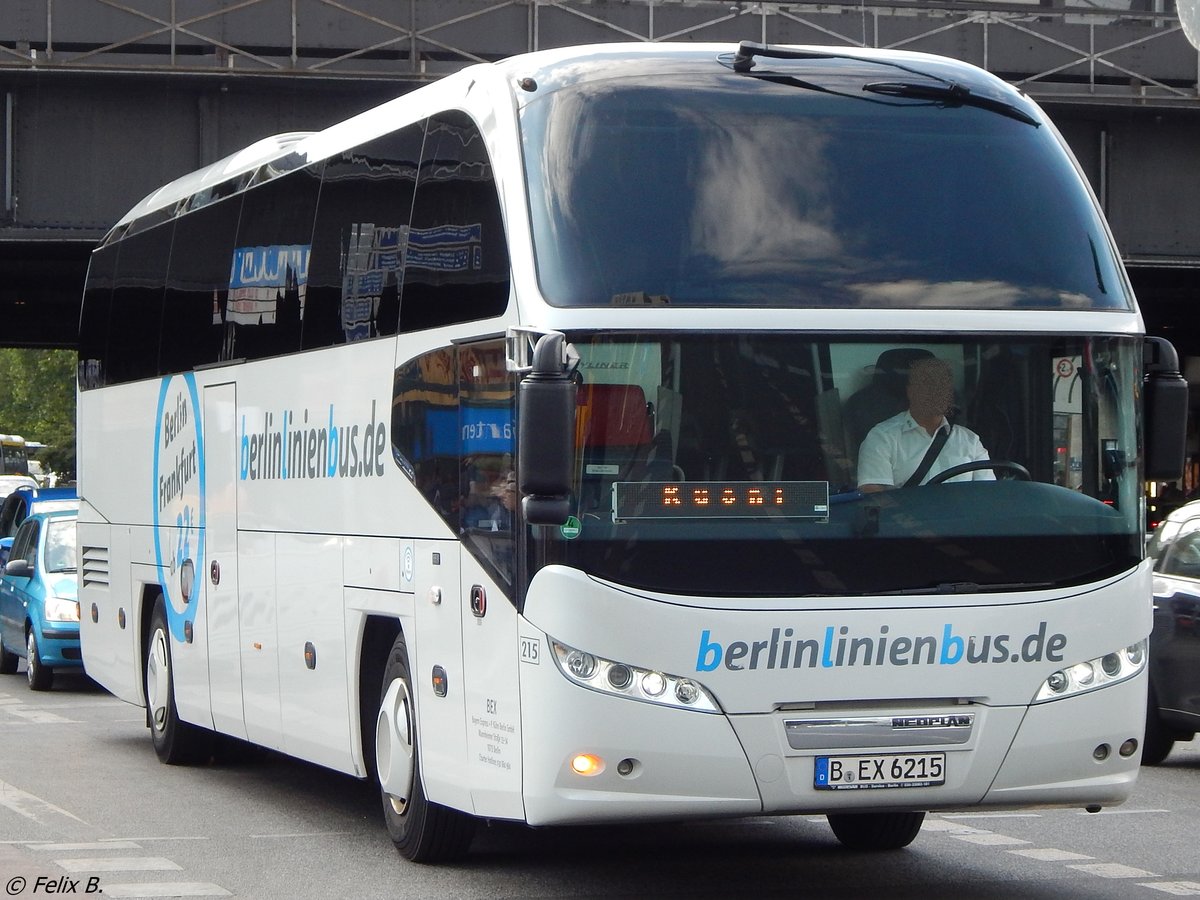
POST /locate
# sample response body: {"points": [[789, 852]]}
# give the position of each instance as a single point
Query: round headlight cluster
{"points": [[1094, 673], [634, 682]]}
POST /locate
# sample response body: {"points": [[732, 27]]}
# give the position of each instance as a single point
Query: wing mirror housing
{"points": [[546, 433], [1166, 409]]}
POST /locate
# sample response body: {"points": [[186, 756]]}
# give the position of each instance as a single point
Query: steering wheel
{"points": [[1018, 470]]}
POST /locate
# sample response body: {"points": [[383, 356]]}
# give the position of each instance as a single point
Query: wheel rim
{"points": [[158, 680], [394, 745], [31, 658]]}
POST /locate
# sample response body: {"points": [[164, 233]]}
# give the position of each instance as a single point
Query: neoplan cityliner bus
{"points": [[499, 444]]}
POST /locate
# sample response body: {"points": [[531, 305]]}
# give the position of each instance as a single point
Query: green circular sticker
{"points": [[570, 529]]}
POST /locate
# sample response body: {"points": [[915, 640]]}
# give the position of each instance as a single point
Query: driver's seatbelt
{"points": [[935, 447]]}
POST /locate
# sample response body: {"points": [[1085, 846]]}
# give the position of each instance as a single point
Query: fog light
{"points": [[653, 684], [625, 767], [1129, 747], [1101, 753], [581, 665], [687, 691], [1083, 672], [587, 764]]}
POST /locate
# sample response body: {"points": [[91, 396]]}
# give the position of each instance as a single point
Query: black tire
{"points": [[8, 661], [41, 678], [176, 742], [1158, 739], [422, 831], [876, 831]]}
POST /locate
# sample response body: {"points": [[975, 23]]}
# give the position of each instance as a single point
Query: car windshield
{"points": [[775, 464], [702, 187], [60, 555]]}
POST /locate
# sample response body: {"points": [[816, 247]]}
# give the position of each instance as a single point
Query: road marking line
{"points": [[166, 889], [1113, 870], [95, 845], [1049, 854], [77, 865], [29, 806], [41, 717], [1121, 812], [988, 839], [303, 834], [957, 816], [949, 827], [1176, 888]]}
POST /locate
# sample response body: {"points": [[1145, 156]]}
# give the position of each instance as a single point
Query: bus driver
{"points": [[893, 454]]}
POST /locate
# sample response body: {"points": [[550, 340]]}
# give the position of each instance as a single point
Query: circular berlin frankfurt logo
{"points": [[179, 499]]}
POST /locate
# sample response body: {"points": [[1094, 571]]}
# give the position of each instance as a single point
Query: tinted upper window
{"points": [[710, 188], [456, 262], [360, 238]]}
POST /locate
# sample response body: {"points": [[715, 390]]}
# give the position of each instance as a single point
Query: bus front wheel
{"points": [[422, 831], [175, 741], [876, 831]]}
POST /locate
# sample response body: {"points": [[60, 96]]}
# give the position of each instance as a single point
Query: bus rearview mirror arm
{"points": [[1166, 411], [546, 432]]}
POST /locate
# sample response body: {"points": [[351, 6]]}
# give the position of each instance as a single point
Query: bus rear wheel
{"points": [[422, 831], [876, 831], [175, 741]]}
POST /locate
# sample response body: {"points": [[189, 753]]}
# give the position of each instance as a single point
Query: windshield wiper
{"points": [[946, 93], [968, 587], [949, 94]]}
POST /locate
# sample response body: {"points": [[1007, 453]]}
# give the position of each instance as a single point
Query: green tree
{"points": [[37, 401]]}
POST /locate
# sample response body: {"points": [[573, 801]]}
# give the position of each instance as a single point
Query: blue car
{"points": [[39, 605]]}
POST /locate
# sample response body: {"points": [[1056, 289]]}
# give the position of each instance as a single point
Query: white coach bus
{"points": [[501, 444]]}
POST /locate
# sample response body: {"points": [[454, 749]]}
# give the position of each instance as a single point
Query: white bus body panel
{"points": [[1015, 753]]}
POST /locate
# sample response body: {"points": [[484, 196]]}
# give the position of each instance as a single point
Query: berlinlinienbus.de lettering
{"points": [[287, 446], [837, 647]]}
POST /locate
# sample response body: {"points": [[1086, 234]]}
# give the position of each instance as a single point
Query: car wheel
{"points": [[876, 831], [40, 677], [1158, 739], [422, 831], [8, 661], [176, 742]]}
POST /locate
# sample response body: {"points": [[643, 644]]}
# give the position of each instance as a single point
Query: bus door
{"points": [[221, 578], [436, 659]]}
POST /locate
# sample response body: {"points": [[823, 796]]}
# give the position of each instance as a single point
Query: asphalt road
{"points": [[86, 806]]}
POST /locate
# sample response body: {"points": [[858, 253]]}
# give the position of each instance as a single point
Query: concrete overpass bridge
{"points": [[103, 100]]}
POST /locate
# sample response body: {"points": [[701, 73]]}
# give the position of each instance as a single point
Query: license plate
{"points": [[899, 770]]}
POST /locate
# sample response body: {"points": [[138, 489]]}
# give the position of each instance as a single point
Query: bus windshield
{"points": [[708, 188], [759, 464]]}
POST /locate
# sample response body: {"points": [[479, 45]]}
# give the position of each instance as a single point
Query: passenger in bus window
{"points": [[894, 450]]}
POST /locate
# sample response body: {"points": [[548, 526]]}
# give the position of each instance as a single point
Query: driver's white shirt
{"points": [[894, 448]]}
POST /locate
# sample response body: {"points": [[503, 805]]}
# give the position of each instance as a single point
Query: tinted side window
{"points": [[195, 307], [94, 318], [137, 302], [425, 441], [25, 543], [457, 264], [268, 274], [358, 244]]}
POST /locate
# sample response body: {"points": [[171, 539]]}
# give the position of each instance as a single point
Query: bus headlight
{"points": [[1102, 671], [624, 680]]}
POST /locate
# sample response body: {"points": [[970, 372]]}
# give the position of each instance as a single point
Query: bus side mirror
{"points": [[546, 434], [1166, 408]]}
